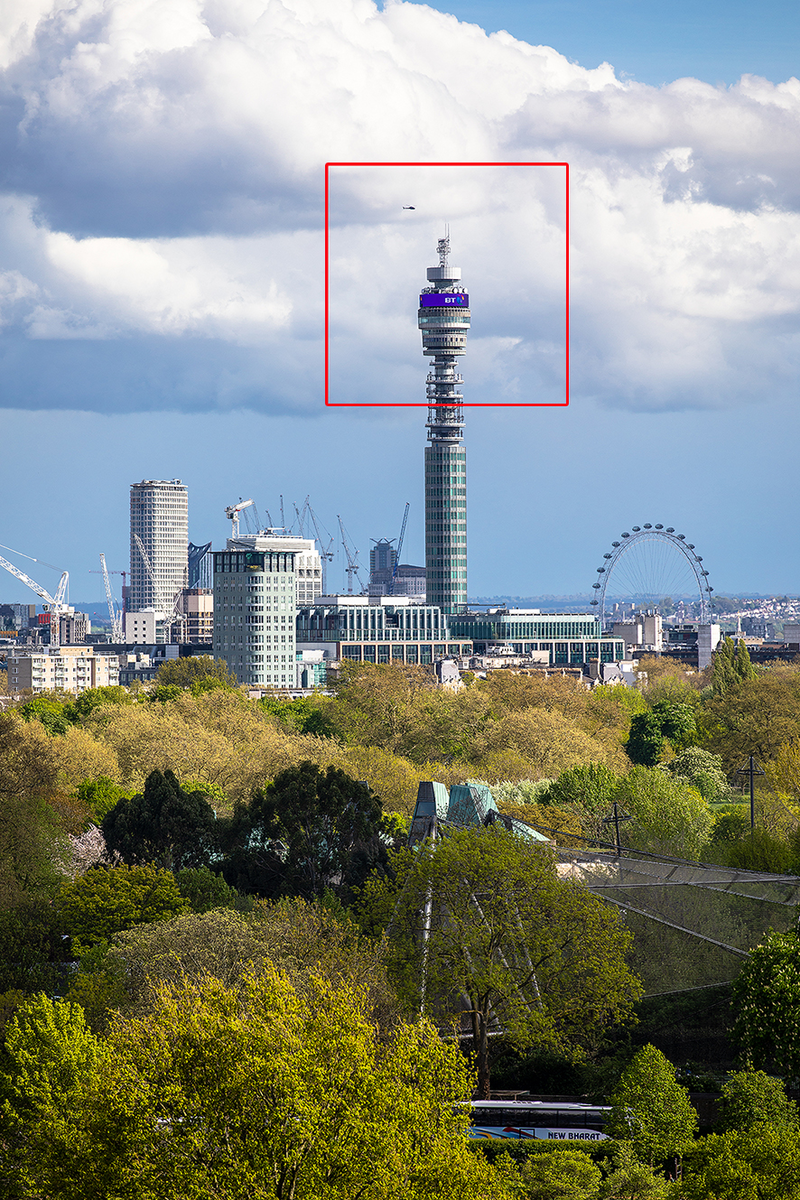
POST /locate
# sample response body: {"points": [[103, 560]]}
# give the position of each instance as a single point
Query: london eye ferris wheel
{"points": [[651, 563]]}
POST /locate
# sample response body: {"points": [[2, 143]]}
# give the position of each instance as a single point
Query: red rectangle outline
{"points": [[423, 404]]}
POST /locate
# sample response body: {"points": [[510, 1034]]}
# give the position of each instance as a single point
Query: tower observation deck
{"points": [[444, 319]]}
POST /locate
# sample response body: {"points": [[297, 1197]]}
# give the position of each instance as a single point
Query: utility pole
{"points": [[617, 816], [752, 769]]}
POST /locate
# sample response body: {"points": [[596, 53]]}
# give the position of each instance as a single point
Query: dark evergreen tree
{"points": [[307, 832], [645, 741], [165, 825]]}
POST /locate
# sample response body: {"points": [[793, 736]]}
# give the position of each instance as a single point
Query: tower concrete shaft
{"points": [[444, 320]]}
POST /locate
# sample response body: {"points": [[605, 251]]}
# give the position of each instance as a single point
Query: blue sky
{"points": [[161, 273]]}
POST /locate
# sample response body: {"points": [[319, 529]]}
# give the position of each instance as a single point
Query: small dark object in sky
{"points": [[407, 206]]}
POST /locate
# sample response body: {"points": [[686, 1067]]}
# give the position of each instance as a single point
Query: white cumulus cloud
{"points": [[163, 166]]}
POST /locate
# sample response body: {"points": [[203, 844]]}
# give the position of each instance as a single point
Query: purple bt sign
{"points": [[441, 299]]}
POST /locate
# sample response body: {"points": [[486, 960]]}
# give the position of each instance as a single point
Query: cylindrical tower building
{"points": [[444, 319]]}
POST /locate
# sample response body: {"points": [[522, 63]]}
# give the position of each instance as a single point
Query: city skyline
{"points": [[161, 281]]}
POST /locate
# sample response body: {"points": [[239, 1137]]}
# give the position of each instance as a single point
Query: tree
{"points": [[302, 940], [204, 890], [305, 715], [306, 832], [107, 899], [645, 742], [629, 1179], [701, 770], [758, 716], [33, 845], [545, 742], [591, 786], [766, 997], [651, 1109], [761, 1163], [100, 795], [730, 666], [505, 941], [165, 825], [50, 709], [49, 1056], [677, 723], [669, 816], [751, 1098], [199, 672], [261, 1090], [560, 1175]]}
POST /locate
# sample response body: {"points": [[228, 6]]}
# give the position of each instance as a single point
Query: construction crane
{"points": [[399, 548], [352, 561], [232, 513], [162, 602], [169, 608], [124, 575], [326, 553], [56, 605], [113, 612]]}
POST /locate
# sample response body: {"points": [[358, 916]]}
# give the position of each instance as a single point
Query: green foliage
{"points": [[645, 742], [306, 832], [32, 951], [669, 816], [651, 1109], [730, 667], [197, 672], [205, 890], [304, 715], [560, 1175], [592, 787], [98, 986], [731, 824], [87, 702], [668, 720], [511, 793], [165, 825], [761, 1163], [677, 723], [101, 795], [301, 939], [751, 1097], [629, 1179], [508, 940], [262, 1090], [767, 1004], [107, 899], [759, 850], [50, 1050], [50, 710], [701, 770], [759, 716], [212, 791], [162, 693], [33, 847]]}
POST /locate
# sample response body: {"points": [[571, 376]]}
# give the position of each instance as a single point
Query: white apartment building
{"points": [[66, 668], [254, 613], [307, 560], [160, 521], [141, 628]]}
